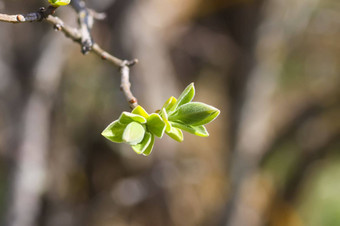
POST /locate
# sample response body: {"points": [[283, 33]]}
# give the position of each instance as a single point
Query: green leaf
{"points": [[194, 113], [186, 96], [127, 117], [114, 132], [148, 150], [170, 103], [175, 134], [142, 146], [140, 111], [133, 133], [156, 125], [164, 116], [196, 130], [57, 3]]}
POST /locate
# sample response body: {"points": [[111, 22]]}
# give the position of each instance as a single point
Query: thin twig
{"points": [[125, 85], [78, 36], [69, 31], [96, 15], [106, 56]]}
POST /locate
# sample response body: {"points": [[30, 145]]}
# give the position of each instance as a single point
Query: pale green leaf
{"points": [[170, 103], [133, 133], [156, 125], [148, 150], [142, 146], [140, 111], [114, 132], [194, 113], [186, 96], [127, 117], [57, 3], [196, 130], [164, 116], [175, 134]]}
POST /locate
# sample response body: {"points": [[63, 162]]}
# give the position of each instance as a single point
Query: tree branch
{"points": [[82, 37], [38, 16]]}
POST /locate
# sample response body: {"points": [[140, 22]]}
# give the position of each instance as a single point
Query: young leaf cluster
{"points": [[57, 3], [139, 128]]}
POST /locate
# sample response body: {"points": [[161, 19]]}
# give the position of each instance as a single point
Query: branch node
{"points": [[57, 27], [86, 47], [133, 101], [103, 56], [20, 18], [123, 64], [131, 62]]}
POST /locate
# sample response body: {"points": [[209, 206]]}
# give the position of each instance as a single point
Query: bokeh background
{"points": [[273, 154]]}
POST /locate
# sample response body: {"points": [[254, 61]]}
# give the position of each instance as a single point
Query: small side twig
{"points": [[96, 15], [85, 20]]}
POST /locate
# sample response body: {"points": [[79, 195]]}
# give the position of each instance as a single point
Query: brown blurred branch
{"points": [[254, 133], [81, 36]]}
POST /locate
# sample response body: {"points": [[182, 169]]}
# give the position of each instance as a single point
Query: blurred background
{"points": [[273, 154]]}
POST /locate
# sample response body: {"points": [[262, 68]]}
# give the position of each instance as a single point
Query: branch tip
{"points": [[128, 63], [133, 101], [132, 62], [97, 15]]}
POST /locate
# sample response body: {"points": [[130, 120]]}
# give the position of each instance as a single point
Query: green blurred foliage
{"points": [[320, 202]]}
